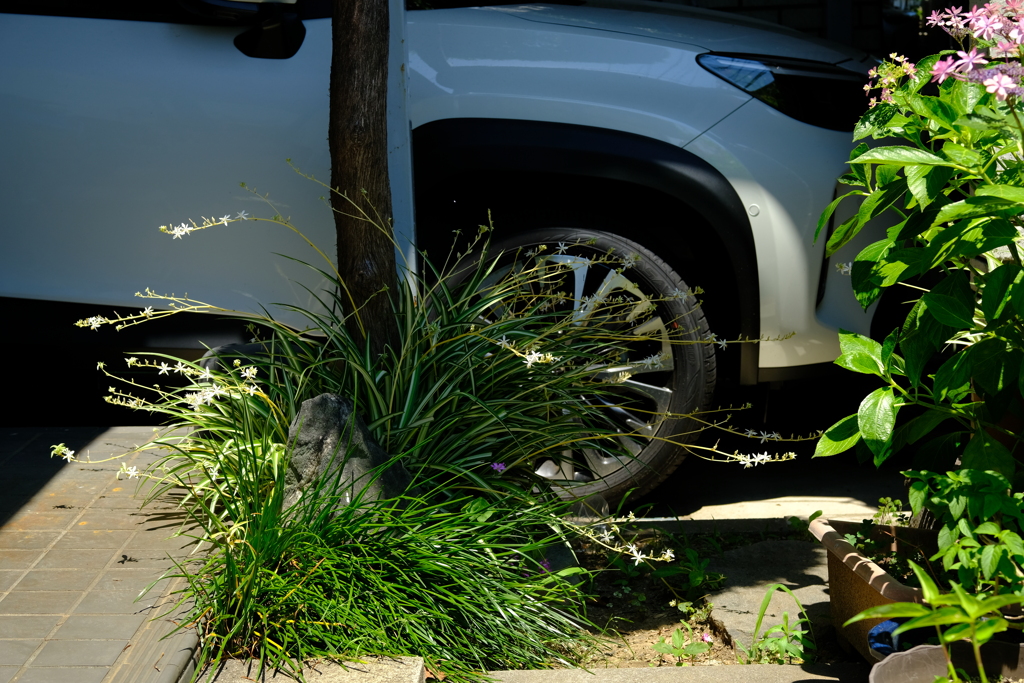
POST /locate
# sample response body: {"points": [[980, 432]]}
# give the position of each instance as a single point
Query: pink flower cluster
{"points": [[1001, 26]]}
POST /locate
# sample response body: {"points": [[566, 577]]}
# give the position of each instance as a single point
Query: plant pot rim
{"points": [[875, 576]]}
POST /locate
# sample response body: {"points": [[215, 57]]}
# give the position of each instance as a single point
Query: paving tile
{"points": [[92, 538], [111, 519], [8, 577], [27, 540], [53, 674], [84, 558], [40, 521], [7, 673], [79, 653], [129, 579], [111, 627], [17, 652], [19, 559], [160, 541], [116, 501], [39, 602], [113, 602], [57, 579], [54, 502], [37, 626]]}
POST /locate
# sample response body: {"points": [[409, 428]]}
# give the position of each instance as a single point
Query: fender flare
{"points": [[444, 148]]}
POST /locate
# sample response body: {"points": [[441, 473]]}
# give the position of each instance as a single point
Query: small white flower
{"points": [[243, 215], [164, 369], [531, 253], [100, 365], [132, 472], [750, 432], [96, 321], [148, 311], [181, 368], [250, 389], [676, 294], [765, 436], [631, 260], [131, 360], [531, 358], [668, 555], [206, 374], [721, 343], [562, 247], [638, 556], [68, 455], [224, 219], [845, 268], [504, 342], [249, 372]]}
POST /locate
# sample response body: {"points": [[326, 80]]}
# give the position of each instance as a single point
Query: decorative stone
{"points": [[329, 442]]}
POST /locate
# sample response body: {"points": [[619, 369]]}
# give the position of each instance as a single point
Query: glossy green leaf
{"points": [[1007, 192], [876, 418], [826, 215], [840, 437], [962, 156], [972, 207], [900, 155], [875, 118], [859, 353], [890, 611], [926, 182], [933, 109]]}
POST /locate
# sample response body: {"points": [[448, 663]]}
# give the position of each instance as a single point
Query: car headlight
{"points": [[813, 92]]}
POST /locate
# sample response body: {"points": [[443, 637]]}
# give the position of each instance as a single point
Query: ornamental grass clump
{"points": [[494, 372]]}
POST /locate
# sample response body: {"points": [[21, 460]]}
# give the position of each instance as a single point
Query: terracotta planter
{"points": [[856, 583], [923, 663]]}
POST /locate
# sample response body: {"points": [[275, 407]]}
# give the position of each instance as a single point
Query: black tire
{"points": [[681, 389]]}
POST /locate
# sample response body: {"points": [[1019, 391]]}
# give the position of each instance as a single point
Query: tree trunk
{"points": [[357, 136]]}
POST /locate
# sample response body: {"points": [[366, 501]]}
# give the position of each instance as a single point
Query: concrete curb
{"points": [[159, 654]]}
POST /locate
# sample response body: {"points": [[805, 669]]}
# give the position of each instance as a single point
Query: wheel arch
{"points": [[465, 167]]}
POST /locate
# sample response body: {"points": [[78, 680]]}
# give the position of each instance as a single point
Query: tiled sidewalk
{"points": [[75, 550]]}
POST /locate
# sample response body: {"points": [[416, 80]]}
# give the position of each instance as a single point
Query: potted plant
{"points": [[949, 179]]}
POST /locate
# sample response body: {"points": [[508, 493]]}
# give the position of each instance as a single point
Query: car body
{"points": [[621, 114]]}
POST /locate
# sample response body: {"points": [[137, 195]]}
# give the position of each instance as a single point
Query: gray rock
{"points": [[329, 442]]}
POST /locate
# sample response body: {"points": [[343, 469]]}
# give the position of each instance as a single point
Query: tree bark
{"points": [[357, 136]]}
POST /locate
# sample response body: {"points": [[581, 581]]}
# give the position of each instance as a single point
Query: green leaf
{"points": [[928, 587], [875, 118], [899, 155], [859, 353], [949, 310], [886, 173], [1007, 192], [917, 428], [865, 281], [841, 436], [992, 365], [933, 109], [985, 453], [962, 156], [996, 293], [926, 182], [876, 203], [989, 560], [830, 209], [918, 494], [984, 631], [889, 611], [972, 207], [876, 418]]}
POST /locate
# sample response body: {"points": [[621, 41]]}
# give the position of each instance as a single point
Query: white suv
{"points": [[705, 143]]}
